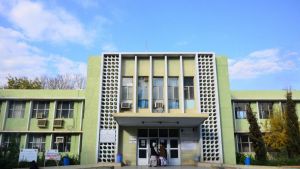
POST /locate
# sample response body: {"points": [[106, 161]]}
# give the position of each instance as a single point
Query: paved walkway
{"points": [[167, 167]]}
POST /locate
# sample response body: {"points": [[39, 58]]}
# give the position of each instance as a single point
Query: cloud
{"points": [[260, 63], [39, 23], [19, 58], [108, 47]]}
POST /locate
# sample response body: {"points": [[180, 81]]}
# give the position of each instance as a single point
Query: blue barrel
{"points": [[247, 160], [66, 161], [119, 158]]}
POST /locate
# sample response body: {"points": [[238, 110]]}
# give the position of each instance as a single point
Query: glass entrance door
{"points": [[142, 151], [169, 138]]}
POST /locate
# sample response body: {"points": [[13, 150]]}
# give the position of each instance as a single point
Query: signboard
{"points": [[132, 140], [52, 154], [28, 155], [107, 136], [188, 145]]}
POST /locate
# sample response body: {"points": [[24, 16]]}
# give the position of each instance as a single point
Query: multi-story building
{"points": [[180, 100]]}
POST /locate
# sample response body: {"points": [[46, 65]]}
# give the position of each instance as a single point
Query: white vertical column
{"points": [[150, 85], [135, 85], [166, 86], [6, 104], [118, 104], [181, 89], [197, 89], [29, 115]]}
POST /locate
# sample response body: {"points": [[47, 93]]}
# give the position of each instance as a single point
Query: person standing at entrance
{"points": [[153, 155], [162, 155]]}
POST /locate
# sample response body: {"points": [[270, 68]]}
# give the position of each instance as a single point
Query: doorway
{"points": [[169, 138]]}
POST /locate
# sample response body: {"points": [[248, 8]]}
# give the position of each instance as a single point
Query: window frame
{"points": [[60, 109], [67, 142], [7, 139], [240, 109], [143, 91], [269, 110], [172, 98], [36, 110], [240, 143], [127, 87], [190, 95], [12, 111], [37, 141]]}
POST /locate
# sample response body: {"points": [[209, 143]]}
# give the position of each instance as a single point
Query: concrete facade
{"points": [[181, 100]]}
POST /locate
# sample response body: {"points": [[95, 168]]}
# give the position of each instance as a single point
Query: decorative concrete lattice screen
{"points": [[109, 105], [210, 134]]}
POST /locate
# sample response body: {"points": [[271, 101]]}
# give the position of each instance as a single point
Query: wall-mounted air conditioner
{"points": [[58, 123], [42, 122]]}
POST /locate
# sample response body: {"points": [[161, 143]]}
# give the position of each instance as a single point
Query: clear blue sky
{"points": [[260, 38]]}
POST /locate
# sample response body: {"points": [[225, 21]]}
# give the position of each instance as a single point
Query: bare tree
{"points": [[66, 81]]}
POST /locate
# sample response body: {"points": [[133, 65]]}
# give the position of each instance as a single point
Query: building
{"points": [[181, 100]]}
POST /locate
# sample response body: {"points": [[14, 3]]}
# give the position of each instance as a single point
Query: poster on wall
{"points": [[52, 154], [107, 136], [28, 155], [188, 145]]}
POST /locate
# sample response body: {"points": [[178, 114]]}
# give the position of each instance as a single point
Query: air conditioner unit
{"points": [[159, 104], [42, 122], [40, 115], [58, 123], [125, 105], [59, 140]]}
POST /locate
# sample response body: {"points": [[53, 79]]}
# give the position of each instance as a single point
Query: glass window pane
{"points": [[142, 143], [191, 92], [173, 133], [127, 81], [142, 132], [129, 93], [174, 153], [186, 93], [163, 132], [174, 143], [142, 153], [153, 132], [188, 81], [176, 93]]}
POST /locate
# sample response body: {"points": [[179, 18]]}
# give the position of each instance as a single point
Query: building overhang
{"points": [[160, 119]]}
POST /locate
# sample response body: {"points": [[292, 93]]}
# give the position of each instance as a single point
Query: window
{"points": [[62, 143], [143, 92], [64, 109], [40, 107], [16, 109], [283, 106], [173, 98], [10, 139], [126, 88], [240, 110], [189, 88], [37, 141], [158, 94], [188, 83], [244, 143], [265, 110]]}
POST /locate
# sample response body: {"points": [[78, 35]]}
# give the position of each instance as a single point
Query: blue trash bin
{"points": [[66, 161], [247, 160], [119, 158]]}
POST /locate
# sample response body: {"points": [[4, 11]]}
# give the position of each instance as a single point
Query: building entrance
{"points": [[169, 138]]}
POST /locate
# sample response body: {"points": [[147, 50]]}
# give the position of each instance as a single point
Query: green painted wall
{"points": [[143, 67], [128, 149], [90, 120], [128, 66], [225, 111], [158, 65]]}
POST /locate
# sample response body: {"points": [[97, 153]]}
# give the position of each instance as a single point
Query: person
{"points": [[153, 155], [33, 165], [162, 155]]}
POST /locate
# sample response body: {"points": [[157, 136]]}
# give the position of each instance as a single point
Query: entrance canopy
{"points": [[160, 119]]}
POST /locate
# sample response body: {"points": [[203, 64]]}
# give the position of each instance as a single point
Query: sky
{"points": [[260, 38]]}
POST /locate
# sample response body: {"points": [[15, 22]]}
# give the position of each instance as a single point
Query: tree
{"points": [[67, 81], [276, 137], [23, 83], [292, 127], [256, 137]]}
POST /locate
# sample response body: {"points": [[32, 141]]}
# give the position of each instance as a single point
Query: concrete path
{"points": [[167, 167]]}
